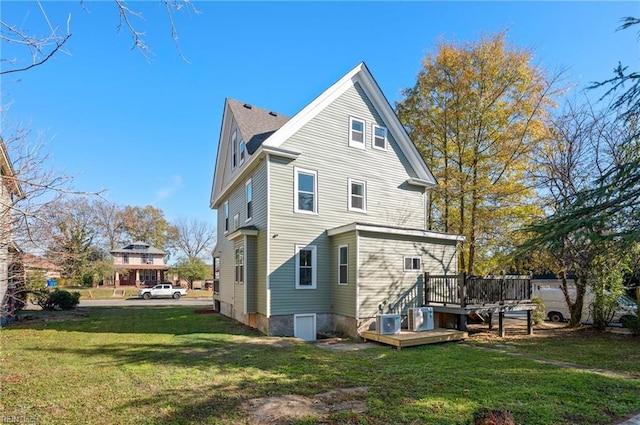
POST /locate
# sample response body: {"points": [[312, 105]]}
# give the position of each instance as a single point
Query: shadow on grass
{"points": [[201, 368]]}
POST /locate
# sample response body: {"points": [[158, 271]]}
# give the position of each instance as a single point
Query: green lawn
{"points": [[169, 365]]}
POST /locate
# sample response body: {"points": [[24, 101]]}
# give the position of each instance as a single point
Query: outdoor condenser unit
{"points": [[388, 324], [421, 319]]}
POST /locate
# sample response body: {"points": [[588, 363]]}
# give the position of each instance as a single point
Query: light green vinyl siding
{"points": [[383, 280], [343, 297], [324, 146], [255, 258], [251, 282], [260, 196]]}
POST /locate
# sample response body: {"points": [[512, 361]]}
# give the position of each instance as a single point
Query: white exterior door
{"points": [[304, 326]]}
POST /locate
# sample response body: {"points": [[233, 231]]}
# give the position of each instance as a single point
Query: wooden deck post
{"points": [[462, 322], [529, 323], [501, 330], [490, 321]]}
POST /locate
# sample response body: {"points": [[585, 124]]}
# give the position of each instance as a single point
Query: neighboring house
{"points": [[10, 191], [321, 217], [34, 264], [138, 264]]}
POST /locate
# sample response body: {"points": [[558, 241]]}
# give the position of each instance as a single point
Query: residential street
{"points": [[138, 302]]}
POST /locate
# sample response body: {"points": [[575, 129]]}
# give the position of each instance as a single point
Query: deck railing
{"points": [[462, 290]]}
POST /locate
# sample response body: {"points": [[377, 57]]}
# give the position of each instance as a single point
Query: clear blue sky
{"points": [[148, 131]]}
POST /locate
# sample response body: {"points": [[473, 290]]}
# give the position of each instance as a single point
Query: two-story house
{"points": [[321, 216], [138, 264]]}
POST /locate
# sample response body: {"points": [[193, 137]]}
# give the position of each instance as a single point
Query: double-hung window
{"points": [[412, 263], [234, 149], [379, 137], [243, 151], [356, 132], [306, 267], [249, 194], [226, 216], [343, 265], [239, 264], [306, 191], [236, 222], [357, 195]]}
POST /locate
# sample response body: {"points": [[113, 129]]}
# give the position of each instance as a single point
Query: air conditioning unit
{"points": [[421, 319], [388, 324]]}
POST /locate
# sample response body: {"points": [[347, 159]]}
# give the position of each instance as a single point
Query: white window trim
{"points": [[364, 195], [226, 217], [246, 195], [234, 149], [412, 257], [236, 264], [373, 137], [354, 143], [314, 266], [340, 264], [242, 153], [296, 208]]}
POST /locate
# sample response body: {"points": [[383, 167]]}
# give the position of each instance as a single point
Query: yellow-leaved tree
{"points": [[476, 114]]}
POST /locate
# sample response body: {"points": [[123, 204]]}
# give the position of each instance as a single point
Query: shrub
{"points": [[539, 314], [49, 300], [632, 323]]}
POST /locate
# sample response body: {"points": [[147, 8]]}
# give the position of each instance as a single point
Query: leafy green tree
{"points": [[147, 224], [627, 102], [476, 114], [191, 269]]}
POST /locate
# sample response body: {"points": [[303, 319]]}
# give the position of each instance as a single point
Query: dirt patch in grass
{"points": [[516, 330], [206, 311], [287, 408]]}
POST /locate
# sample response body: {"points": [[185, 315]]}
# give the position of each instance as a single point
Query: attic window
{"points": [[246, 105], [356, 133]]}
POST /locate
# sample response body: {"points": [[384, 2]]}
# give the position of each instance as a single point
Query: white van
{"points": [[556, 308]]}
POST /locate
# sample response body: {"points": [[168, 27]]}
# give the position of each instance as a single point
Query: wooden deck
{"points": [[409, 339]]}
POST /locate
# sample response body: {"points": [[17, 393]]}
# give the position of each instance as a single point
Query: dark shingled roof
{"points": [[139, 247], [255, 124]]}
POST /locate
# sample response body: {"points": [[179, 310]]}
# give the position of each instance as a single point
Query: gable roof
{"points": [[271, 143], [255, 124]]}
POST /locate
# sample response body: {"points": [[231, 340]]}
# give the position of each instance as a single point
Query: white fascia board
{"points": [[313, 108], [394, 231], [248, 167], [218, 173], [391, 119], [421, 183]]}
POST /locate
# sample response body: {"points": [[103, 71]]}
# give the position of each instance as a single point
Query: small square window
{"points": [[356, 133], [412, 263], [379, 137]]}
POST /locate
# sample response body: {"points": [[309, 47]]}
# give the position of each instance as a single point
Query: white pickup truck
{"points": [[163, 290]]}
